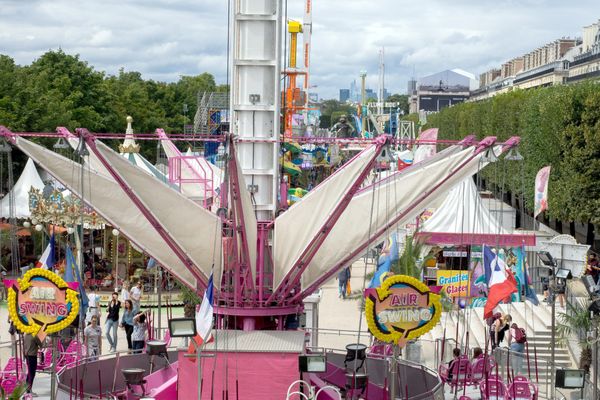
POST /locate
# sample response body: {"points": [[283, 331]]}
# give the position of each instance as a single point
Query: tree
{"points": [[402, 99], [576, 322]]}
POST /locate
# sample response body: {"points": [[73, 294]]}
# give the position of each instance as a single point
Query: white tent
{"points": [[463, 211], [29, 178]]}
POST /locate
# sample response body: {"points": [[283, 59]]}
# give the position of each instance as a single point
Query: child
{"points": [[138, 337], [93, 339]]}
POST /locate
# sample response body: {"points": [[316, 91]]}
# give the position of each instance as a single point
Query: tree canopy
{"points": [[558, 126]]}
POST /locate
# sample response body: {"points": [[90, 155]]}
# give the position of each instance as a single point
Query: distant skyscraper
{"points": [[354, 92], [411, 87], [370, 94], [344, 95]]}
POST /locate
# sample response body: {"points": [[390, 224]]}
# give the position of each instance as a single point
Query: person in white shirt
{"points": [[93, 304], [93, 339], [125, 295], [136, 296]]}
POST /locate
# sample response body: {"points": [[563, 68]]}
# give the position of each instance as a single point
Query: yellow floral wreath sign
{"points": [[39, 299], [403, 308]]}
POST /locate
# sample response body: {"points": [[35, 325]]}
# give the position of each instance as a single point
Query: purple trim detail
{"points": [[512, 240], [484, 144], [7, 134], [189, 264], [292, 278], [256, 311], [240, 225]]}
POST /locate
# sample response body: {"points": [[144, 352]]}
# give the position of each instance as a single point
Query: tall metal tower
{"points": [[255, 93], [381, 88]]}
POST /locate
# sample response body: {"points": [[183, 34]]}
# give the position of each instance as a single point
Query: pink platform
{"points": [[259, 375]]}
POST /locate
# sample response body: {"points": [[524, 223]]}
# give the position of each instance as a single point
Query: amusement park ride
{"points": [[265, 259]]}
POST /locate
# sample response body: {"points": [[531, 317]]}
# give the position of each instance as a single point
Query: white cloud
{"points": [[164, 39]]}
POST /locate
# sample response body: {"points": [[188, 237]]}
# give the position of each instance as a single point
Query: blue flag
{"points": [[72, 275], [385, 261]]}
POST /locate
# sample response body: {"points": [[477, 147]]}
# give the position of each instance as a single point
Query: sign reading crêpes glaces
{"points": [[403, 308], [39, 299]]}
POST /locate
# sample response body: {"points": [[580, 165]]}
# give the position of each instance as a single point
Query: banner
{"points": [[541, 191], [455, 283], [41, 302], [403, 308], [426, 146]]}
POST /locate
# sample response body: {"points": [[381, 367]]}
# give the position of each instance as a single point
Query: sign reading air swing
{"points": [[403, 308], [42, 299]]}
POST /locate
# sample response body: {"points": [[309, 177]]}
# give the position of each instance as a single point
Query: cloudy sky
{"points": [[164, 39]]}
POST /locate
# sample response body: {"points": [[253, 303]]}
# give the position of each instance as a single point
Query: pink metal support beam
{"points": [[293, 277], [189, 264], [240, 225], [483, 145]]}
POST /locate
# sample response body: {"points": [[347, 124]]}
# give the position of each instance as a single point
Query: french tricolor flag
{"points": [[501, 282], [204, 317], [47, 260]]}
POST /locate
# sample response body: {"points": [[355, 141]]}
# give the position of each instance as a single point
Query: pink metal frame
{"points": [[252, 297], [292, 279], [189, 264], [483, 145]]}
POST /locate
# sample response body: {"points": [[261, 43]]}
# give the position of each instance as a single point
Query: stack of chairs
{"points": [[493, 388], [12, 375]]}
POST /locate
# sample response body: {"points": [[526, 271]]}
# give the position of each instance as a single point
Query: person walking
{"points": [[93, 339], [139, 332], [31, 346], [93, 304], [343, 277], [517, 337], [127, 322], [136, 296], [112, 320], [499, 328]]}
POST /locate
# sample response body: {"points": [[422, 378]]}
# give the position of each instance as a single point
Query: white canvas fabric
{"points": [[295, 228], [29, 178], [109, 200], [177, 214], [463, 211], [389, 200]]}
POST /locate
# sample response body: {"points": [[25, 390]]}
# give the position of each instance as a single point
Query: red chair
{"points": [[458, 375], [482, 368], [522, 389], [493, 389]]}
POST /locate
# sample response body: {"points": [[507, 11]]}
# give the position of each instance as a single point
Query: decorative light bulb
{"points": [[39, 227], [34, 221], [70, 230], [27, 224], [115, 232]]}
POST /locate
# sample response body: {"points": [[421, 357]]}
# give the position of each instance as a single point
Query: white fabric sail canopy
{"points": [[111, 202], [463, 211], [29, 178], [388, 200], [295, 228]]}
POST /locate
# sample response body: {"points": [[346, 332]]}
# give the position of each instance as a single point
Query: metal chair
{"points": [[522, 389], [493, 389], [481, 369], [459, 373]]}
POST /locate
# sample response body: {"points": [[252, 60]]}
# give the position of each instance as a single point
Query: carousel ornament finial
{"points": [[129, 145]]}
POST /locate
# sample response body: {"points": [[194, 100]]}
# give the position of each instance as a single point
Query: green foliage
{"points": [[59, 89], [576, 322], [558, 126], [190, 299], [331, 111], [16, 394], [402, 99]]}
